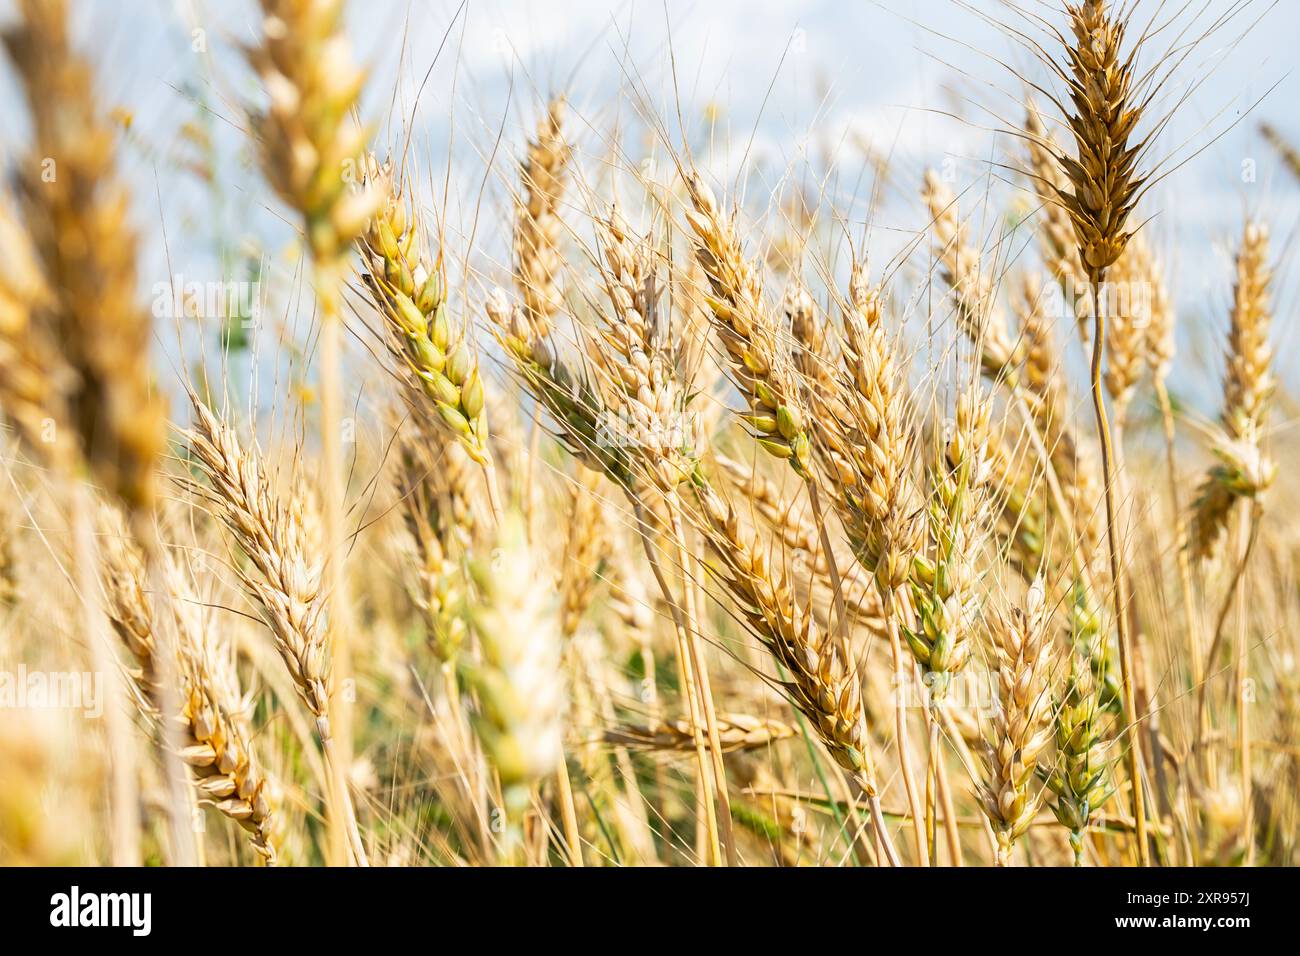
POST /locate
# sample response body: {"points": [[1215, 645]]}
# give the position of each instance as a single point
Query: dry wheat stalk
{"points": [[272, 531], [312, 151], [864, 446], [1104, 186], [537, 219], [973, 287], [277, 536], [737, 732], [823, 682], [648, 459], [1022, 726]]}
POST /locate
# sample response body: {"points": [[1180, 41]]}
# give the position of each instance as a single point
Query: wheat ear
{"points": [[758, 366], [1022, 727], [409, 290], [285, 580], [973, 288], [537, 218], [518, 681], [737, 732], [216, 741], [1243, 471]]}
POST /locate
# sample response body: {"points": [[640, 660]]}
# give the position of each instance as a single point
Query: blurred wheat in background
{"points": [[600, 473]]}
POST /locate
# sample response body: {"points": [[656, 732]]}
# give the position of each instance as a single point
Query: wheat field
{"points": [[589, 493]]}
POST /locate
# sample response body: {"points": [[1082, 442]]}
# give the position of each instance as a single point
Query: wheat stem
{"points": [[1119, 601]]}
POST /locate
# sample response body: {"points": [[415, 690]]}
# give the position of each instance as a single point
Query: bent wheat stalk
{"points": [[285, 580]]}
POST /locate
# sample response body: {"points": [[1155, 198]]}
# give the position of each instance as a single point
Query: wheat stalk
{"points": [[285, 579], [865, 453], [311, 149], [1104, 185], [823, 682], [737, 732]]}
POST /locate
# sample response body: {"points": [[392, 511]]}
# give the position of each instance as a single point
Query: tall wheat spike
{"points": [[758, 364], [1243, 469], [410, 291], [1104, 185], [538, 226]]}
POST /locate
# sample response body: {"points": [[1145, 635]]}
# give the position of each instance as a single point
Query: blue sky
{"points": [[783, 78]]}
